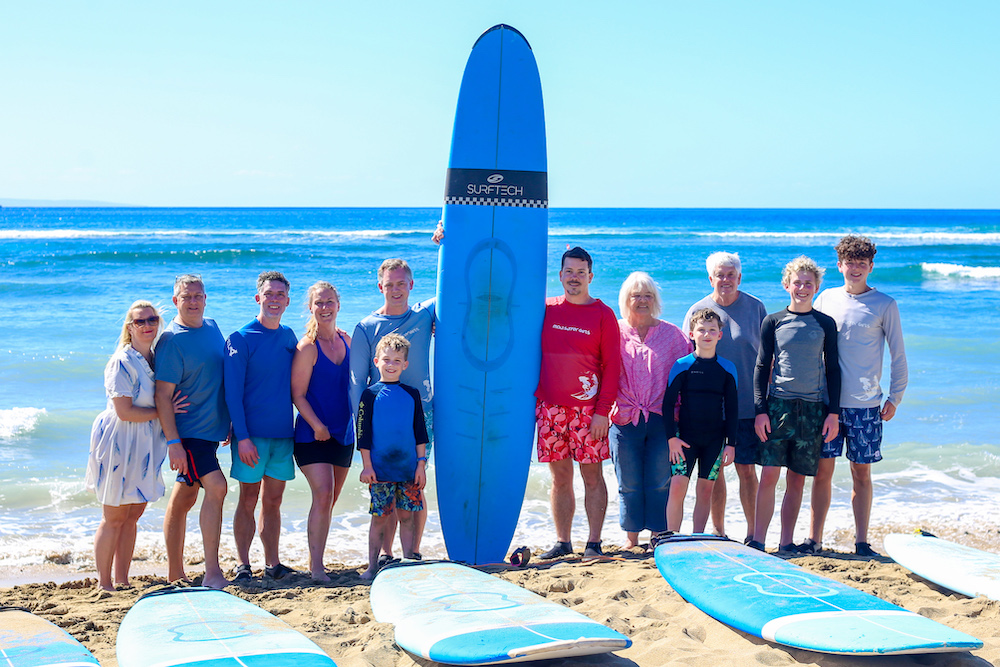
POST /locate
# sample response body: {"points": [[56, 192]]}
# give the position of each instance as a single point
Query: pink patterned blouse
{"points": [[645, 369]]}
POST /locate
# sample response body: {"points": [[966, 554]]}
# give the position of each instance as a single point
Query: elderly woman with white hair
{"points": [[649, 347]]}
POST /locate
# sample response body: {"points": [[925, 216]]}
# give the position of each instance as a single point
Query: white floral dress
{"points": [[126, 457]]}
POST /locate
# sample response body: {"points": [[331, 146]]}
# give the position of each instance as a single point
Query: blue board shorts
{"points": [[202, 458], [747, 443], [275, 461], [862, 429]]}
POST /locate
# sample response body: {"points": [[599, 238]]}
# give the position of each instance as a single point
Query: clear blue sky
{"points": [[664, 104]]}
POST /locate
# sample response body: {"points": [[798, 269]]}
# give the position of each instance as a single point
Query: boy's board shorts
{"points": [[202, 458], [708, 456], [564, 432], [796, 439], [330, 451], [388, 495], [747, 443], [862, 428], [275, 461]]}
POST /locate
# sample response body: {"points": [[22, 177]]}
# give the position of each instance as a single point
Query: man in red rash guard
{"points": [[577, 385]]}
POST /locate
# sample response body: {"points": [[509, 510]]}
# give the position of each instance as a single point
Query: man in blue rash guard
{"points": [[258, 380]]}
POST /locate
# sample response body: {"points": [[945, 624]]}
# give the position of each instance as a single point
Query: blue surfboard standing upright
{"points": [[490, 298]]}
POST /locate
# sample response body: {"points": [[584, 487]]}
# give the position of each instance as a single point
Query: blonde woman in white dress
{"points": [[127, 445]]}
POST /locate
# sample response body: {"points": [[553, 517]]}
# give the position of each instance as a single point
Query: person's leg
{"points": [[562, 498], [790, 505], [321, 483], [126, 543], [339, 477], [272, 491], [595, 498], [210, 520], [627, 452], [769, 476], [182, 499], [717, 502], [748, 493], [106, 542], [675, 502], [419, 521], [376, 537], [244, 524], [656, 473], [822, 492], [861, 500], [407, 531], [703, 502]]}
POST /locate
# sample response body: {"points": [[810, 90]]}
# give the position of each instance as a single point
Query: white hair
{"points": [[717, 259]]}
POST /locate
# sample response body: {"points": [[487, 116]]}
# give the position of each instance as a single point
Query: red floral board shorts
{"points": [[564, 432]]}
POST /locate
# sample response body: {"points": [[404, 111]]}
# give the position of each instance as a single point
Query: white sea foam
{"points": [[18, 421], [960, 271], [919, 238], [57, 234]]}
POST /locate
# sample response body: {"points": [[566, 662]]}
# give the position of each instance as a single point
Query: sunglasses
{"points": [[155, 319]]}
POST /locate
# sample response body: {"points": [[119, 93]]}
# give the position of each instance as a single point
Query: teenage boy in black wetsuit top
{"points": [[792, 419], [709, 416]]}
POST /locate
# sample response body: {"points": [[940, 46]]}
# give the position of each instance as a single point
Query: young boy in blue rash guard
{"points": [[392, 438], [706, 430]]}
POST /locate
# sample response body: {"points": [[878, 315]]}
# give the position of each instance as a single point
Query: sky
{"points": [[874, 104]]}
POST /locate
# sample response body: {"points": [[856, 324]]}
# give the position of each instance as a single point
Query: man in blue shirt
{"points": [[258, 381], [189, 361]]}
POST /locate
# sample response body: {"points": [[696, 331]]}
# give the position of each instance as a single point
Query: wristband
{"points": [[421, 458], [173, 442]]}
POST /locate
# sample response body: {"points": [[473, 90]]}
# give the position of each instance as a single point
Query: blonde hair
{"points": [[393, 342], [802, 264], [126, 337], [639, 281], [391, 265], [312, 327]]}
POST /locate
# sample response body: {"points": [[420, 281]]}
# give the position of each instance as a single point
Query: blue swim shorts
{"points": [[275, 461], [862, 428], [388, 495]]}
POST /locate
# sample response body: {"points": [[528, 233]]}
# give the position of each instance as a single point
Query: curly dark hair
{"points": [[855, 246]]}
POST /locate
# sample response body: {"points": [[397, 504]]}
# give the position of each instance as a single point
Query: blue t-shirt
{"points": [[415, 325], [258, 371], [391, 425], [192, 360]]}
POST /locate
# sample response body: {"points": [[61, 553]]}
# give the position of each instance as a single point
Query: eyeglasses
{"points": [[153, 319]]}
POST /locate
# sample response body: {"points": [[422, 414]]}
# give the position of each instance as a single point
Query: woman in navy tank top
{"points": [[324, 437]]}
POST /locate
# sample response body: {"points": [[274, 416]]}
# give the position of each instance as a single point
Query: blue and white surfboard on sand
{"points": [[203, 627], [457, 615], [778, 601], [27, 640], [959, 568], [490, 298]]}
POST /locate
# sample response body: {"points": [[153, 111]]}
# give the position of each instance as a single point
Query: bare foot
{"points": [[629, 544], [107, 587], [215, 580], [320, 575], [369, 573]]}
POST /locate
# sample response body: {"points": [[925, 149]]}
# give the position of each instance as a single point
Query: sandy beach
{"points": [[625, 592]]}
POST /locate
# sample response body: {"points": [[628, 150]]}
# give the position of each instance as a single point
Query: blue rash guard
{"points": [[258, 381], [391, 425]]}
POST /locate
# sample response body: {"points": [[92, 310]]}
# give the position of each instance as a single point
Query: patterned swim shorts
{"points": [[862, 428], [796, 435], [564, 432], [388, 495]]}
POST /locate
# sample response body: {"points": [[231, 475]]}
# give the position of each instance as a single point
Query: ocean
{"points": [[68, 275]]}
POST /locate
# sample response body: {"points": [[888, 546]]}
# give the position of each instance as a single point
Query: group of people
{"points": [[734, 385], [178, 394], [790, 389]]}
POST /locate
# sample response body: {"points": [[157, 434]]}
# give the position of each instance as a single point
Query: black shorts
{"points": [[202, 458], [323, 451]]}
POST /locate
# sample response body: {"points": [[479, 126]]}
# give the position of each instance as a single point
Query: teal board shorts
{"points": [[276, 461]]}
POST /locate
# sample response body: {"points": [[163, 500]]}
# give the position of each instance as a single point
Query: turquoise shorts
{"points": [[275, 461]]}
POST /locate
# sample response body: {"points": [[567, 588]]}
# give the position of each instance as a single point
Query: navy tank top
{"points": [[328, 396]]}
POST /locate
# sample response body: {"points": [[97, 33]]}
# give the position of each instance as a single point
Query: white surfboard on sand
{"points": [[959, 568]]}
